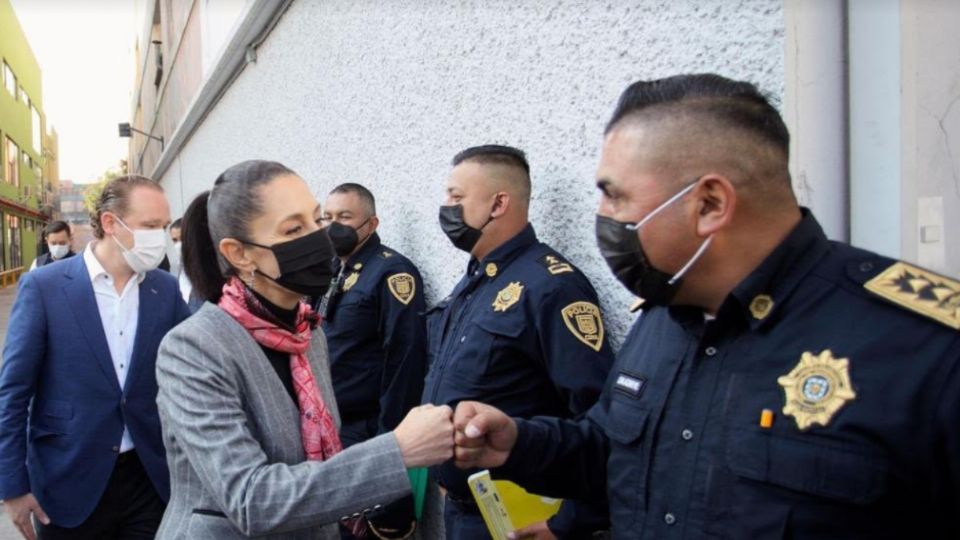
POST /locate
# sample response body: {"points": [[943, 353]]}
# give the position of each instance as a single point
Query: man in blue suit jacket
{"points": [[80, 441]]}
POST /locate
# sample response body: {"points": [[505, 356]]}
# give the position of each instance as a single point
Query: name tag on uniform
{"points": [[629, 384]]}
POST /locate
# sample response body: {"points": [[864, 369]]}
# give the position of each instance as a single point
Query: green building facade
{"points": [[22, 153]]}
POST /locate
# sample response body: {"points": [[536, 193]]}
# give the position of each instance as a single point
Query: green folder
{"points": [[418, 485]]}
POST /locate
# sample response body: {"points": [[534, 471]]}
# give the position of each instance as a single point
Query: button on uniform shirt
{"points": [[373, 322], [118, 314], [522, 331], [822, 401]]}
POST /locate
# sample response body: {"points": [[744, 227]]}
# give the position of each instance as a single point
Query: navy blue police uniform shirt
{"points": [[373, 323], [855, 357], [522, 331]]}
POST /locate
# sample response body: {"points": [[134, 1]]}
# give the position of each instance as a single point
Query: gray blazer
{"points": [[232, 435]]}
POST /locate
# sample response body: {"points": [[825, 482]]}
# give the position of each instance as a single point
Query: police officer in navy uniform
{"points": [[58, 238], [522, 329], [373, 322], [778, 384]]}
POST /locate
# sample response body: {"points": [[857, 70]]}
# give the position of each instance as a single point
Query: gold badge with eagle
{"points": [[816, 388], [350, 281], [402, 287], [508, 296], [584, 322]]}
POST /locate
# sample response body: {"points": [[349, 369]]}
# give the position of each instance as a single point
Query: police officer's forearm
{"points": [[559, 458]]}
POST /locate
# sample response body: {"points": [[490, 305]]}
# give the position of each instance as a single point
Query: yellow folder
{"points": [[506, 506]]}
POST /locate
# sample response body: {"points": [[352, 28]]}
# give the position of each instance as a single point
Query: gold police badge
{"points": [[350, 281], [816, 388], [402, 287], [584, 322], [507, 296]]}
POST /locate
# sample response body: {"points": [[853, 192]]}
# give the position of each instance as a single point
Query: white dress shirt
{"points": [[118, 313]]}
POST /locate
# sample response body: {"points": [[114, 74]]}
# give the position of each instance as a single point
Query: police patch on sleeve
{"points": [[403, 287], [584, 322], [816, 388], [921, 291]]}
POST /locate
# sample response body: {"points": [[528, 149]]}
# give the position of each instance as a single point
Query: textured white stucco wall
{"points": [[385, 93]]}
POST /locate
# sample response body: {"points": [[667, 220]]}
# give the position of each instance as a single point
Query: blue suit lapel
{"points": [[147, 313], [83, 303]]}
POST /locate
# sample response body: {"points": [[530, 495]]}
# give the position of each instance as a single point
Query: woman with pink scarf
{"points": [[247, 409]]}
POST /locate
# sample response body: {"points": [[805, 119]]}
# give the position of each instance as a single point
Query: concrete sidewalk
{"points": [[7, 295]]}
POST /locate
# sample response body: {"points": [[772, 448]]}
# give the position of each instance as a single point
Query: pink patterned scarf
{"points": [[317, 430]]}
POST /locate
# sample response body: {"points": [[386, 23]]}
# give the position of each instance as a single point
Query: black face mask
{"points": [[344, 237], [620, 246], [623, 252], [462, 235], [305, 263]]}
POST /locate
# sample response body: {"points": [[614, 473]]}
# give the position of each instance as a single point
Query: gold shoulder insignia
{"points": [[636, 305], [920, 291], [350, 281], [584, 322], [816, 388], [403, 287], [555, 265], [387, 254], [508, 296]]}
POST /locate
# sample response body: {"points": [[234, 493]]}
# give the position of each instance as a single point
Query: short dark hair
{"points": [[225, 211], [494, 153], [177, 223], [56, 227], [115, 198], [365, 195], [738, 104]]}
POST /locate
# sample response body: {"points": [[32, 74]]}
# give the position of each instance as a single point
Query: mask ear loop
{"points": [[668, 202], [692, 261], [490, 217], [696, 256]]}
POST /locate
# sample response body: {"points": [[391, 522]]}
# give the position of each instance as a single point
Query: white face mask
{"points": [[58, 251], [149, 247]]}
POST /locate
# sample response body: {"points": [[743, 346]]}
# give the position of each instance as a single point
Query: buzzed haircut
{"points": [[366, 197], [707, 122], [494, 153], [736, 103], [56, 227], [497, 154]]}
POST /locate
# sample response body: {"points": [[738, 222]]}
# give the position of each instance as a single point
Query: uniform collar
{"points": [[758, 297], [505, 253], [371, 246]]}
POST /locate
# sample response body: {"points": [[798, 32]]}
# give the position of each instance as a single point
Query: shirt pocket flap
{"points": [[625, 423], [501, 325], [830, 470]]}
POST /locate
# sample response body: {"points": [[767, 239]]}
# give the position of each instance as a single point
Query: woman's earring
{"points": [[250, 281]]}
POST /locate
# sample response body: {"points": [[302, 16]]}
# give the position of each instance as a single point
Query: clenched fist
{"points": [[425, 436], [485, 435]]}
